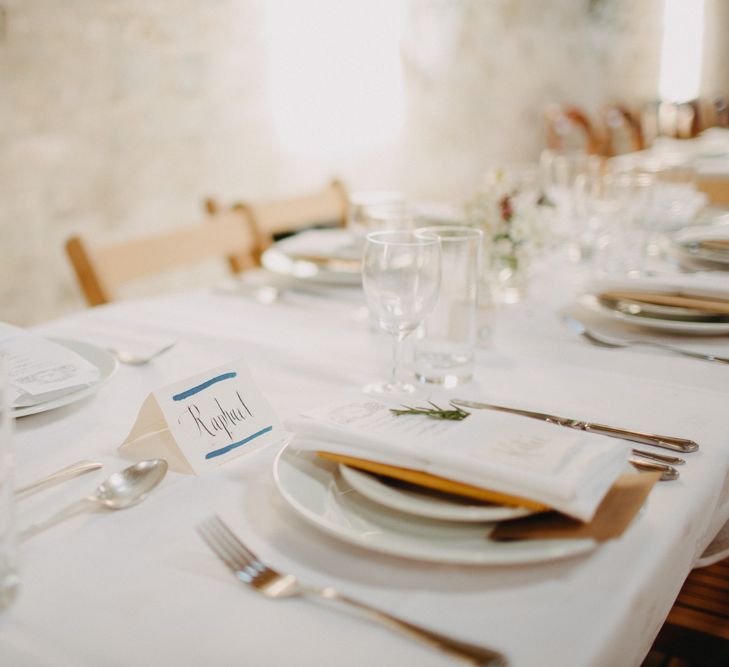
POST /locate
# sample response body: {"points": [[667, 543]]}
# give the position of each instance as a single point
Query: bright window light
{"points": [[335, 75], [682, 50]]}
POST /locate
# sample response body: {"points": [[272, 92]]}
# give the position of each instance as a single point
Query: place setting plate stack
{"points": [[688, 311], [317, 256], [702, 247], [472, 488], [49, 373]]}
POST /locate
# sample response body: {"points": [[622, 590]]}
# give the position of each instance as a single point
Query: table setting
{"points": [[536, 495]]}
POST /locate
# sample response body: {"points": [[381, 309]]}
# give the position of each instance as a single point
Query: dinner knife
{"points": [[665, 441]]}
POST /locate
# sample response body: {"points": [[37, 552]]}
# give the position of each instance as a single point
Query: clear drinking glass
{"points": [[378, 210], [445, 343], [559, 173], [401, 277], [8, 553], [614, 206]]}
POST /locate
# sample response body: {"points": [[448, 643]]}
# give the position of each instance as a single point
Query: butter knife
{"points": [[665, 441]]}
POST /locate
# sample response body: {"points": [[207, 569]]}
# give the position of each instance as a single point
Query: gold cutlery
{"points": [[715, 244], [677, 300]]}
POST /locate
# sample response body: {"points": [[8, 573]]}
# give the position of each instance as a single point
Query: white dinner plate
{"points": [[105, 362], [688, 327], [431, 505], [337, 260], [314, 488]]}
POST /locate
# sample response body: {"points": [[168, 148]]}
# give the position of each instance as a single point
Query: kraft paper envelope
{"points": [[204, 420]]}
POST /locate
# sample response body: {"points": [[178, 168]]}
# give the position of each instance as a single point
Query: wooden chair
{"points": [[623, 133], [101, 270], [270, 218], [697, 628], [715, 187], [569, 128]]}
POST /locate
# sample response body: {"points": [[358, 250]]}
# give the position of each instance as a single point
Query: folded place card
{"points": [[204, 420]]}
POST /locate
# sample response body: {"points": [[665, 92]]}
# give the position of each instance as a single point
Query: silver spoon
{"points": [[61, 475], [121, 490], [604, 341], [132, 359]]}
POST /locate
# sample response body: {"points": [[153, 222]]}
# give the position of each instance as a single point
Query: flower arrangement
{"points": [[514, 217]]}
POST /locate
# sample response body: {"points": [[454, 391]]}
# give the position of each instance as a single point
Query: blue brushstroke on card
{"points": [[194, 390], [225, 450]]}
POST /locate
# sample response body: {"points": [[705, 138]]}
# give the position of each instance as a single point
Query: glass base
{"points": [[444, 364], [390, 388], [8, 589], [447, 380]]}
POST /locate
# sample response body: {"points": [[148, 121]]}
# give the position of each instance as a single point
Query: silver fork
{"points": [[249, 569], [604, 341]]}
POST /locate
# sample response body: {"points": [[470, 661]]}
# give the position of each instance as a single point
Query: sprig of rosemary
{"points": [[435, 412]]}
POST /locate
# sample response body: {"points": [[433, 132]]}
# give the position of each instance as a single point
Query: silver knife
{"points": [[665, 441], [660, 458]]}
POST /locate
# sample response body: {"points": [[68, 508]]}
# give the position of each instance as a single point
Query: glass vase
{"points": [[508, 278]]}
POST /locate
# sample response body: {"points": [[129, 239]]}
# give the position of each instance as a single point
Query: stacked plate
{"points": [[681, 306], [703, 248], [328, 256], [383, 515]]}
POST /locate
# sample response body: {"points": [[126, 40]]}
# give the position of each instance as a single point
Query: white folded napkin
{"points": [[565, 469], [39, 369]]}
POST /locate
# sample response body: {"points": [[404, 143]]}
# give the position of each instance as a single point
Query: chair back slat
{"points": [[102, 270], [272, 217]]}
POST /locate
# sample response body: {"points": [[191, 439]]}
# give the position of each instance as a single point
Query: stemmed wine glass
{"points": [[401, 280]]}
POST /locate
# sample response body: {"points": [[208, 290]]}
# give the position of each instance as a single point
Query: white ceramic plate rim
{"points": [[105, 362], [591, 302], [378, 491], [404, 541]]}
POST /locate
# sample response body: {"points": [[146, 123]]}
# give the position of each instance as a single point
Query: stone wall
{"points": [[121, 116]]}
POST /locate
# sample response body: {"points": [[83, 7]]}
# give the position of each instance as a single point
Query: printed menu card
{"points": [[204, 420], [39, 369]]}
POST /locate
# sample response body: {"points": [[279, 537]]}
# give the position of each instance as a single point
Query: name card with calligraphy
{"points": [[204, 420]]}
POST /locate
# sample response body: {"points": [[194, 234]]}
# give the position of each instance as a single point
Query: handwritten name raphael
{"points": [[222, 420]]}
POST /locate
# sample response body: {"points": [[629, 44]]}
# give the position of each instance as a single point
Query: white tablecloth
{"points": [[138, 587]]}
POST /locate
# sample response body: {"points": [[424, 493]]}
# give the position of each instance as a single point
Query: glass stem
{"points": [[400, 336]]}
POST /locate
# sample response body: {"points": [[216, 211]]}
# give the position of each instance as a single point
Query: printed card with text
{"points": [[204, 420]]}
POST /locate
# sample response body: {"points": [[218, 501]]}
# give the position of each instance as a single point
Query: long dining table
{"points": [[139, 586]]}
